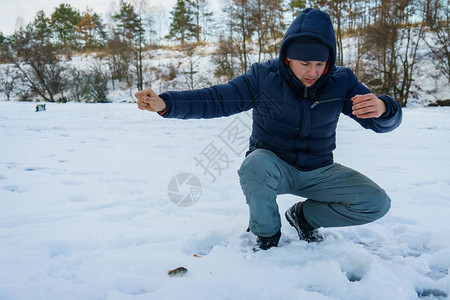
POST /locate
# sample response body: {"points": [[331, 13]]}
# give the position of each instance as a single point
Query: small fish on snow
{"points": [[177, 272]]}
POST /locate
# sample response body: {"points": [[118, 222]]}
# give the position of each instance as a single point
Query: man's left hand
{"points": [[368, 106]]}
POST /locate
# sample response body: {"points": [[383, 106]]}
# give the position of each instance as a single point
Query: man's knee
{"points": [[373, 204], [381, 203], [258, 164], [385, 205], [259, 174]]}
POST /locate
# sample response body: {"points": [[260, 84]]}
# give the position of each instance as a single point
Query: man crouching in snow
{"points": [[296, 101]]}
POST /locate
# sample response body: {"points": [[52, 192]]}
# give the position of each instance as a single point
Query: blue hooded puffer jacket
{"points": [[295, 122]]}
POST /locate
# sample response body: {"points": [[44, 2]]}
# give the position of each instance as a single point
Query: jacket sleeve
{"points": [[223, 100], [387, 122]]}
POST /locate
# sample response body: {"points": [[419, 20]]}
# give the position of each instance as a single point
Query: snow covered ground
{"points": [[85, 211]]}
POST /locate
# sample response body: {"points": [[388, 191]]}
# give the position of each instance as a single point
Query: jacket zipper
{"points": [[302, 124], [325, 101]]}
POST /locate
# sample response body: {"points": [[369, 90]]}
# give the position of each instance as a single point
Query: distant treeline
{"points": [[387, 35]]}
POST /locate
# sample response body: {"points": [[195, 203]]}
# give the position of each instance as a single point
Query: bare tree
{"points": [[296, 6], [225, 58], [267, 16], [438, 22], [8, 80], [226, 55], [391, 45], [337, 10], [119, 60], [91, 85], [243, 28], [36, 58]]}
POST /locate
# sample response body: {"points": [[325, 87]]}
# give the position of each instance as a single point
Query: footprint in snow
{"points": [[15, 188], [71, 182], [33, 169], [202, 244], [77, 198], [431, 294], [11, 165]]}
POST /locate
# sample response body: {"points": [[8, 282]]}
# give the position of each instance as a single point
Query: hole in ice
{"points": [[353, 277]]}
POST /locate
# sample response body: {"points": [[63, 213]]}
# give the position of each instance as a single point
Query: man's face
{"points": [[308, 72]]}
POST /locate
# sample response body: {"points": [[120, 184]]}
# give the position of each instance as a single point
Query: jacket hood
{"points": [[311, 23]]}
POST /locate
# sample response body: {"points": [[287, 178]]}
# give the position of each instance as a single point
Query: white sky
{"points": [[11, 10]]}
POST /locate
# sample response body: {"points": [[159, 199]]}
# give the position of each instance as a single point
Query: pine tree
{"points": [[202, 16], [130, 31], [182, 27], [63, 21], [129, 24], [90, 30], [42, 25]]}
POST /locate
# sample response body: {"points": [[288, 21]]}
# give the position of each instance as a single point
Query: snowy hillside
{"points": [[173, 69], [86, 214], [430, 84]]}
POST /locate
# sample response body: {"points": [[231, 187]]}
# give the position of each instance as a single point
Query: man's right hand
{"points": [[148, 100]]}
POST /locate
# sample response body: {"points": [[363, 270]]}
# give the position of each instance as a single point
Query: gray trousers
{"points": [[336, 195]]}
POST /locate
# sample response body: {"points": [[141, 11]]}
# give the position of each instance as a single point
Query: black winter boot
{"points": [[306, 232], [264, 243]]}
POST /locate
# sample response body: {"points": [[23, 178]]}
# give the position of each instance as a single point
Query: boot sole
{"points": [[291, 221], [294, 224]]}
